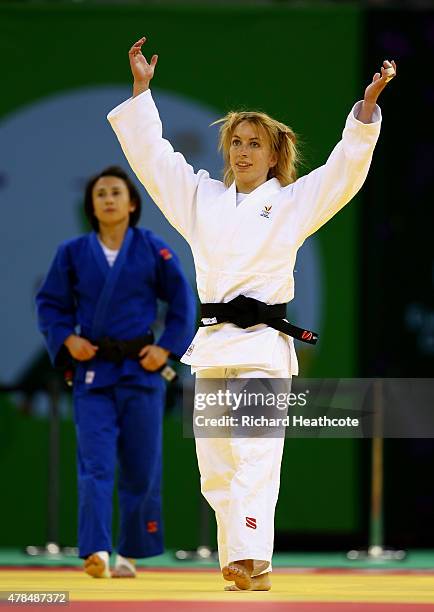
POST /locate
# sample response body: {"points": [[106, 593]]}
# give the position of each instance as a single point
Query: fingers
{"points": [[136, 48], [154, 60], [388, 70], [154, 357], [145, 351], [149, 364], [85, 350], [88, 352], [84, 355], [90, 349], [80, 348]]}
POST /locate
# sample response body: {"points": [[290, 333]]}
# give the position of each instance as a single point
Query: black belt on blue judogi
{"points": [[246, 312], [110, 349], [116, 351]]}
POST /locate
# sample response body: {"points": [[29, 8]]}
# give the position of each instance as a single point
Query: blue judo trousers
{"points": [[118, 407], [123, 422]]}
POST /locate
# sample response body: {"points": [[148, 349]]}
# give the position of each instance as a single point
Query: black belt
{"points": [[118, 350], [246, 312]]}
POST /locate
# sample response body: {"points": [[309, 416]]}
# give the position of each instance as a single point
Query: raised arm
{"points": [[323, 192], [142, 71], [374, 89], [169, 179]]}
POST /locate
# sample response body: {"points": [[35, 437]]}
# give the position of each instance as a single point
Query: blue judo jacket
{"points": [[83, 294]]}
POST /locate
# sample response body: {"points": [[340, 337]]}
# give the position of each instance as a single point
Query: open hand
{"points": [[379, 82], [141, 70]]}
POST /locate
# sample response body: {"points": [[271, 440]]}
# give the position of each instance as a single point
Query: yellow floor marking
{"points": [[208, 586]]}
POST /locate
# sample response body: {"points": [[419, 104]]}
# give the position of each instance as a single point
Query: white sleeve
{"points": [[323, 192], [169, 179]]}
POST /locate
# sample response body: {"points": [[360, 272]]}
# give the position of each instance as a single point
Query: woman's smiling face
{"points": [[250, 156]]}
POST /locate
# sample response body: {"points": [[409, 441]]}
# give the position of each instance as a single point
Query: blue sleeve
{"points": [[174, 288], [56, 308]]}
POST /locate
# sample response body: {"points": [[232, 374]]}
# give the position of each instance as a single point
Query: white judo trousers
{"points": [[240, 476]]}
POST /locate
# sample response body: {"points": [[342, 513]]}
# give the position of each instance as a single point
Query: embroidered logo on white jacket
{"points": [[266, 211]]}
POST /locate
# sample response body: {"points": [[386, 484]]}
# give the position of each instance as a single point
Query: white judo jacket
{"points": [[249, 249]]}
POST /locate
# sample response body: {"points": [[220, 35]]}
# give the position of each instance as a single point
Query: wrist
{"points": [[139, 87], [369, 104], [166, 351], [366, 111]]}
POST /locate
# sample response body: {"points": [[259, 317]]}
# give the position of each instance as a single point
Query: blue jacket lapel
{"points": [[111, 278]]}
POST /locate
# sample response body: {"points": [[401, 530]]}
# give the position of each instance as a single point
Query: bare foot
{"points": [[96, 567], [125, 569], [239, 572], [257, 583]]}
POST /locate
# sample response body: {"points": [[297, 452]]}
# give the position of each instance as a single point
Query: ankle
{"points": [[104, 555], [246, 563]]}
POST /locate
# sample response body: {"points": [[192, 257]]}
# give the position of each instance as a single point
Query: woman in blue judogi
{"points": [[96, 306]]}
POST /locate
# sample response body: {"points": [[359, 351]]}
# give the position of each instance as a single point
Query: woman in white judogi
{"points": [[244, 234]]}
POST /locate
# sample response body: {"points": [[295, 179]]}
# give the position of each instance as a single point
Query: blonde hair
{"points": [[283, 142]]}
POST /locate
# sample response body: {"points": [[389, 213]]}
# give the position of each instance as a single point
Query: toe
{"points": [[233, 587]]}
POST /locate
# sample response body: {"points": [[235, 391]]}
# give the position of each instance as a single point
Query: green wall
{"points": [[299, 64]]}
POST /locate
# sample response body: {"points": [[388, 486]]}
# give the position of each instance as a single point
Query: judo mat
{"points": [[201, 589]]}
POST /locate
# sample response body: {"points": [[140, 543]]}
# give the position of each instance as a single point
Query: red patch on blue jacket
{"points": [[152, 526], [166, 254]]}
